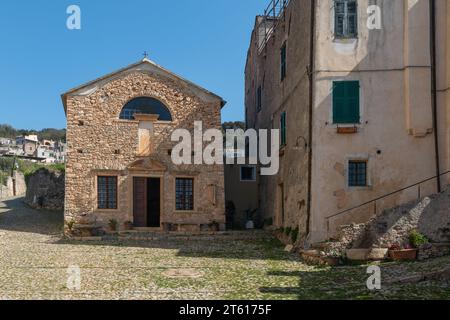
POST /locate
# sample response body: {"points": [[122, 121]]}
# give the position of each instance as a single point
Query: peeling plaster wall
{"points": [[288, 189], [443, 84], [395, 135]]}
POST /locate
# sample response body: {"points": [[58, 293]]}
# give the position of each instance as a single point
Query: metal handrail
{"points": [[385, 196], [274, 10]]}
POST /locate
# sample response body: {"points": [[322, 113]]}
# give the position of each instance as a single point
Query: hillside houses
{"points": [[31, 148]]}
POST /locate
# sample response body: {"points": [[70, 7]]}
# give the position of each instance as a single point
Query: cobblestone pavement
{"points": [[36, 263]]}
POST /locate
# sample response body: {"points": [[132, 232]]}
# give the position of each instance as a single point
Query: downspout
{"points": [[311, 108], [434, 89]]}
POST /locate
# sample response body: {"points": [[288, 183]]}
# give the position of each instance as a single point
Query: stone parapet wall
{"points": [[46, 190], [16, 184]]}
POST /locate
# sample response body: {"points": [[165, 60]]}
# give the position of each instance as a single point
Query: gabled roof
{"points": [[143, 65]]}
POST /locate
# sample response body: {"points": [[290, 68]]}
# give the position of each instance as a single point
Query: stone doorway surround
{"points": [[149, 169]]}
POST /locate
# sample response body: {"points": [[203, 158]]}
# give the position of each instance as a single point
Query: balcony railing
{"points": [[271, 17]]}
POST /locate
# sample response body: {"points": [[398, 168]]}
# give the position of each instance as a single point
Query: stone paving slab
{"points": [[35, 263]]}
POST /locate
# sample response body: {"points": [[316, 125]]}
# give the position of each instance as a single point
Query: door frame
{"points": [[161, 193]]}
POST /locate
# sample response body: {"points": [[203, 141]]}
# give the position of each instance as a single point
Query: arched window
{"points": [[145, 105]]}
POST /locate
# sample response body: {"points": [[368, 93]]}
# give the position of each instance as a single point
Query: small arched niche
{"points": [[145, 105]]}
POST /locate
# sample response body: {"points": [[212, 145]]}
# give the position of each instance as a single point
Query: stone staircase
{"points": [[370, 241], [147, 235]]}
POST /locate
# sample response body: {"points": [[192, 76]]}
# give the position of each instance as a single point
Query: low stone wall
{"points": [[46, 190], [17, 183]]}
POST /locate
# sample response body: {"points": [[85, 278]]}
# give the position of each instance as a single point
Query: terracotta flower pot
{"points": [[403, 255]]}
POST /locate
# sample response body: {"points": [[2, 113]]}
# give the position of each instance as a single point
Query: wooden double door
{"points": [[147, 202]]}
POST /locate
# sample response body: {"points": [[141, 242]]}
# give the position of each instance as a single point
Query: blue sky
{"points": [[205, 41]]}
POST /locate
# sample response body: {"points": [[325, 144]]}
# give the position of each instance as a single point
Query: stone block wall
{"points": [[46, 190], [17, 183], [101, 144]]}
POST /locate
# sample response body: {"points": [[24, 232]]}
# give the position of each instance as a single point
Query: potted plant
{"points": [[416, 239], [113, 225], [128, 225], [399, 253]]}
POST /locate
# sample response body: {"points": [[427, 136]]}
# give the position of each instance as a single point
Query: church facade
{"points": [[119, 168]]}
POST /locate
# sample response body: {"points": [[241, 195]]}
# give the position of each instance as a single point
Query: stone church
{"points": [[119, 168]]}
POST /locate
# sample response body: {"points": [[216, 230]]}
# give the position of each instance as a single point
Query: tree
{"points": [[7, 131]]}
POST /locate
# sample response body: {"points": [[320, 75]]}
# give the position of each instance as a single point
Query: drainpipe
{"points": [[311, 108], [434, 89]]}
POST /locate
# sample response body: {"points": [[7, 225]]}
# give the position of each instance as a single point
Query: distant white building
{"points": [[6, 142]]}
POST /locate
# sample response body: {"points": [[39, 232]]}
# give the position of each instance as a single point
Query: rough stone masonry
{"points": [[102, 144]]}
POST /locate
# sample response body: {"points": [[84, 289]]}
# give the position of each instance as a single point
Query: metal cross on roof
{"points": [[145, 54]]}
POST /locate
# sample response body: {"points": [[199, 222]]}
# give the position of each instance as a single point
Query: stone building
{"points": [[119, 164], [241, 195], [29, 144], [355, 106]]}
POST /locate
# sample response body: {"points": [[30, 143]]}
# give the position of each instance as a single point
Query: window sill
{"points": [[185, 212], [356, 189], [107, 210], [347, 129], [345, 40], [130, 122]]}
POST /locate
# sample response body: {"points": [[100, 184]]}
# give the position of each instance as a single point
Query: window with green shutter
{"points": [[346, 109], [283, 129], [283, 62]]}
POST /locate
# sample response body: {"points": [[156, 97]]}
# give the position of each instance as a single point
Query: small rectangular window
{"points": [[248, 173], [107, 192], [357, 173], [283, 62], [346, 97], [283, 129], [259, 98], [346, 18], [184, 194]]}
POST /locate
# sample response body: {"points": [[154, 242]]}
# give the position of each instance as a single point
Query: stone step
{"points": [[373, 254], [146, 235], [315, 257], [321, 246]]}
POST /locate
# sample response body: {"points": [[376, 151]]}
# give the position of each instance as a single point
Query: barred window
{"points": [[185, 194], [107, 192], [357, 173], [346, 18]]}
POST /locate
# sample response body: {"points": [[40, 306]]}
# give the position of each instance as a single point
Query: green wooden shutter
{"points": [[346, 102], [283, 129]]}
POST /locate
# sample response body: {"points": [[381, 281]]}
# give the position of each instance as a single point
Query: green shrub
{"points": [[61, 167], [294, 235], [6, 164], [288, 231], [3, 178], [70, 225], [113, 224], [416, 239], [268, 222]]}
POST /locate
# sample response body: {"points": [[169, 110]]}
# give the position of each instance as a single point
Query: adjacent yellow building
{"points": [[364, 127]]}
